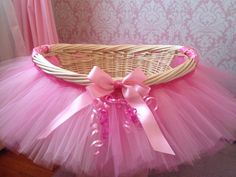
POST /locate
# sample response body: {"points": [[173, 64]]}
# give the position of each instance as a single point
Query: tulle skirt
{"points": [[196, 113]]}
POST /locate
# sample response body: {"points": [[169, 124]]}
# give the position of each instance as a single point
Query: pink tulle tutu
{"points": [[196, 114]]}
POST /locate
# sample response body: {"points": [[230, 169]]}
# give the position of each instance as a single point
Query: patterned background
{"points": [[207, 25]]}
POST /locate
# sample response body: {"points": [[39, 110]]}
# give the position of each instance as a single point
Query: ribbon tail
{"points": [[150, 126], [79, 103]]}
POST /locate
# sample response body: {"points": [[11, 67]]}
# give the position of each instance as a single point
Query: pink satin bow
{"points": [[133, 91]]}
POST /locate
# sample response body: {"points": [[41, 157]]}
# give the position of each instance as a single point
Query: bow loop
{"points": [[135, 77], [100, 78]]}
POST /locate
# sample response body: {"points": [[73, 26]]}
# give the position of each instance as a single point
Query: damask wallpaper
{"points": [[207, 25]]}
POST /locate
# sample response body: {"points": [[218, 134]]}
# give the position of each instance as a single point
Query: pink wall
{"points": [[208, 25]]}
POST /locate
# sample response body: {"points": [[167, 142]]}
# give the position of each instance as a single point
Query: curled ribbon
{"points": [[133, 91]]}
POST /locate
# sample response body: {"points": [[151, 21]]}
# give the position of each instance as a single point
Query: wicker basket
{"points": [[76, 61]]}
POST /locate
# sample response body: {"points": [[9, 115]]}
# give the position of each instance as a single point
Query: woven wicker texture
{"points": [[77, 60]]}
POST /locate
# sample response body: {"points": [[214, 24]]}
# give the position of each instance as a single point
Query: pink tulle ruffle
{"points": [[196, 113]]}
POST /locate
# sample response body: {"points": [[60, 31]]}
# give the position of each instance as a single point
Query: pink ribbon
{"points": [[133, 91], [190, 52]]}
